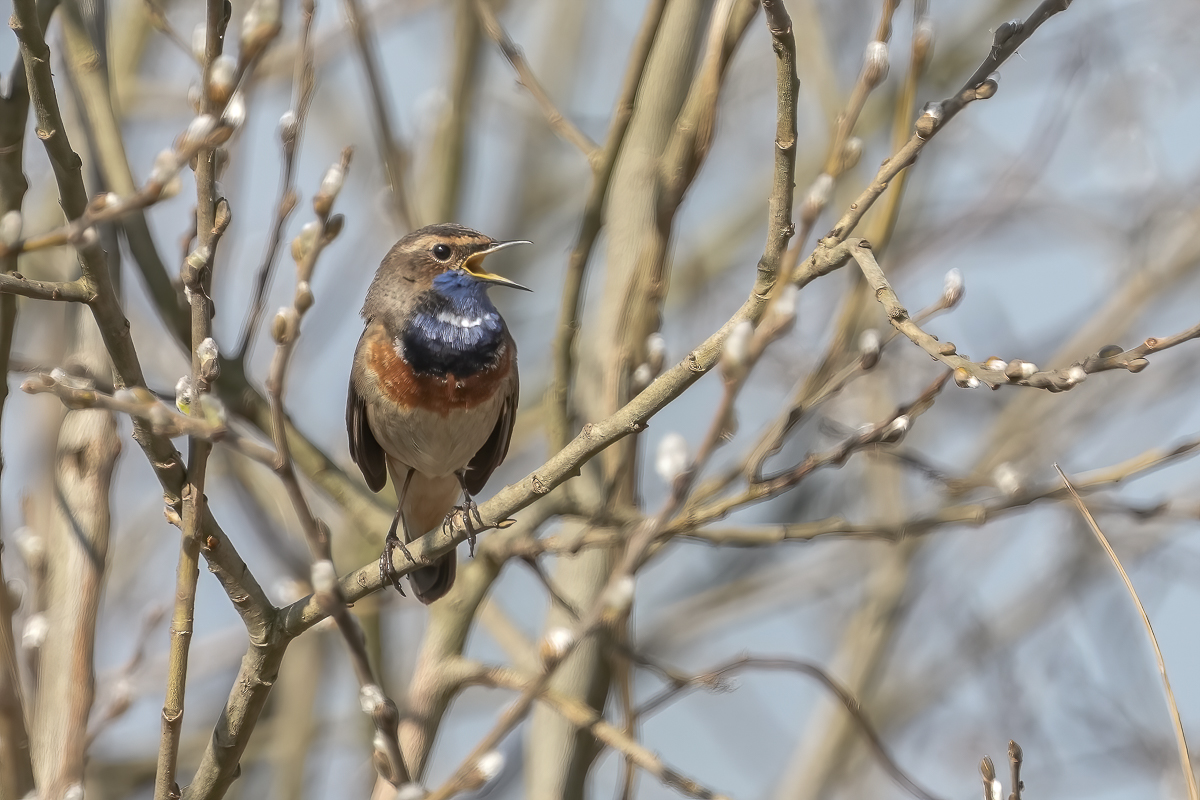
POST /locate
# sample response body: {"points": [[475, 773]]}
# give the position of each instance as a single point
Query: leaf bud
{"points": [[199, 41], [197, 133], [1005, 32], [1110, 351], [283, 327], [287, 128], [816, 199], [875, 64], [783, 310], [184, 394], [10, 228], [555, 644], [922, 44], [930, 119], [869, 345], [1006, 479], [324, 577], [234, 115], [305, 241], [672, 457], [988, 88], [34, 634], [222, 75], [656, 351], [735, 357], [618, 598], [304, 296], [851, 153], [370, 697], [952, 288], [259, 26], [208, 354]]}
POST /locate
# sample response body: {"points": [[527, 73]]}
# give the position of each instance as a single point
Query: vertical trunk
{"points": [[560, 755], [76, 548]]}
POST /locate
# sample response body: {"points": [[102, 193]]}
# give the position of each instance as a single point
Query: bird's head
{"points": [[444, 256]]}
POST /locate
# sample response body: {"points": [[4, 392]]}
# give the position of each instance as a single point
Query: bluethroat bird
{"points": [[433, 388]]}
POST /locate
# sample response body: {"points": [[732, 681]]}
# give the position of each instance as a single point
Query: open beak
{"points": [[474, 265]]}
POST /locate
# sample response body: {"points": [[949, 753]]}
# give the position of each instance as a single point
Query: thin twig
{"points": [[286, 330], [1181, 742], [390, 150], [554, 118], [994, 373], [303, 84], [711, 679]]}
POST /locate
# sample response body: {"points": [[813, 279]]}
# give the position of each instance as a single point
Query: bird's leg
{"points": [[387, 568], [469, 509]]}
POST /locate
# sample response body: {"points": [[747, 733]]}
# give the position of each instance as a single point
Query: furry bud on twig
{"points": [[952, 288], [869, 345], [32, 547], [897, 428], [259, 26], [198, 131], [922, 44], [410, 791], [34, 634], [208, 355], [816, 199], [1076, 375], [1006, 479], [370, 698], [199, 41], [1019, 370], [87, 237], [166, 167], [304, 296], [324, 577], [1006, 32], [735, 357], [964, 378], [184, 394], [305, 241], [486, 769], [331, 184], [283, 327], [930, 118], [618, 598], [783, 310], [555, 644], [851, 153], [988, 88], [287, 128], [875, 64], [672, 457], [10, 228], [222, 78], [235, 111], [656, 352]]}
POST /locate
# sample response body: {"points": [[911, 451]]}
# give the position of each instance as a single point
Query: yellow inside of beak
{"points": [[474, 265]]}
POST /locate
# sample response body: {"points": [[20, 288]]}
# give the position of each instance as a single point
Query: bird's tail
{"points": [[432, 583]]}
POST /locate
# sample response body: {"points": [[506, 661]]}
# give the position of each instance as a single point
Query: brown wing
{"points": [[496, 447], [364, 447]]}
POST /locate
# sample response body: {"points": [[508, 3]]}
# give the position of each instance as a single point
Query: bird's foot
{"points": [[387, 566], [468, 510]]}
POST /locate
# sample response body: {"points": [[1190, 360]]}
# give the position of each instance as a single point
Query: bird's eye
{"points": [[441, 251]]}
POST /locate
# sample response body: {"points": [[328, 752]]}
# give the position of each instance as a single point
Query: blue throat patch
{"points": [[454, 330]]}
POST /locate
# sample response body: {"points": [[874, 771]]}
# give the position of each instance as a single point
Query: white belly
{"points": [[434, 444]]}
